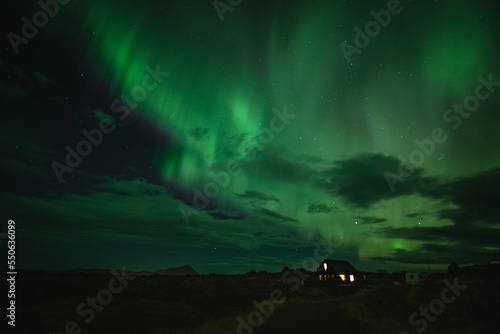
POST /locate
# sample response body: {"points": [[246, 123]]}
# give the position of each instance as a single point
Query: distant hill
{"points": [[183, 270]]}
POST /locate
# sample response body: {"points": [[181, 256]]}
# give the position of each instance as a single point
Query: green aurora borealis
{"points": [[320, 176]]}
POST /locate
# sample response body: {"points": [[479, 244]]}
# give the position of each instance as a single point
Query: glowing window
{"points": [[342, 277], [351, 278], [324, 265]]}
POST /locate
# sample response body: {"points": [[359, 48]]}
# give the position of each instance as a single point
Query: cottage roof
{"points": [[338, 265]]}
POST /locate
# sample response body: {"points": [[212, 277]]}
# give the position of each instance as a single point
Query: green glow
{"points": [[225, 79], [304, 70], [455, 50]]}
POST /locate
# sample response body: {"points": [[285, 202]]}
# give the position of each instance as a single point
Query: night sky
{"points": [[236, 144]]}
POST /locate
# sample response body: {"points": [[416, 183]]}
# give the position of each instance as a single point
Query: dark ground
{"points": [[211, 304]]}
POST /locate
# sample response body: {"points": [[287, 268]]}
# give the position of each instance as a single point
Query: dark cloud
{"points": [[133, 187], [475, 207], [361, 182], [476, 197], [257, 196], [218, 215], [274, 166], [431, 253], [277, 216], [320, 208], [472, 235], [459, 243], [370, 220]]}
